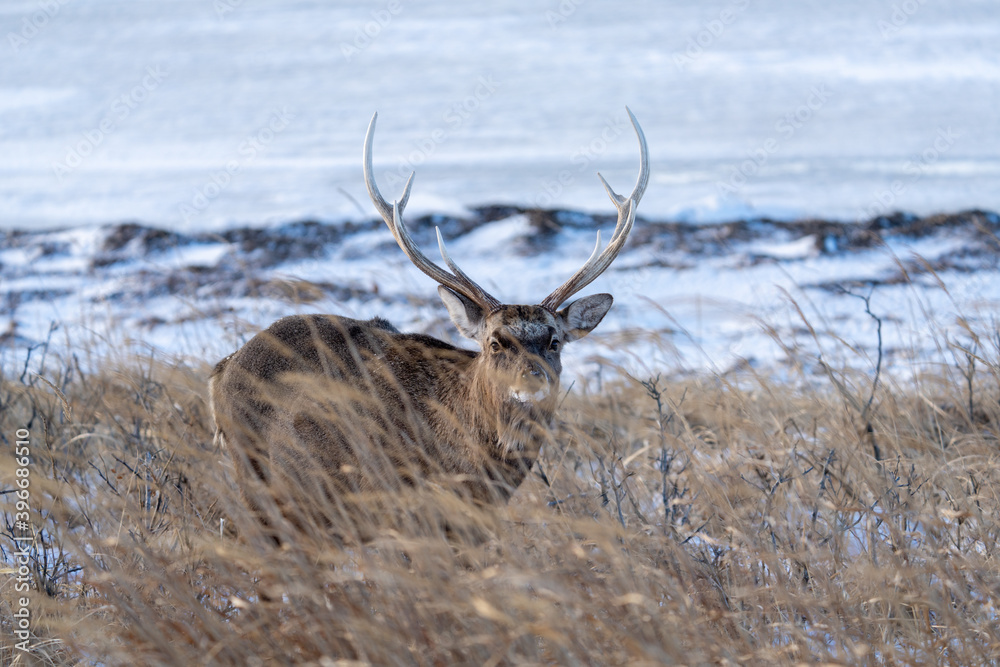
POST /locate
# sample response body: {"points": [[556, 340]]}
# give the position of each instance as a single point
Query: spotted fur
{"points": [[320, 407]]}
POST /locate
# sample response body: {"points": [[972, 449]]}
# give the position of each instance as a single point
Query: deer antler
{"points": [[393, 215], [600, 261]]}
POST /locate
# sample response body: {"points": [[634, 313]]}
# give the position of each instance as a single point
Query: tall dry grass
{"points": [[705, 520]]}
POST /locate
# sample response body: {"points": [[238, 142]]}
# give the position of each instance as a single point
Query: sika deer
{"points": [[320, 412]]}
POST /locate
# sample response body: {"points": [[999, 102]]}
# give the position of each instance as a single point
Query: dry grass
{"points": [[691, 521]]}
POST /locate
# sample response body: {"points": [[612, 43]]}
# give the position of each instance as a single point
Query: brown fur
{"points": [[329, 409]]}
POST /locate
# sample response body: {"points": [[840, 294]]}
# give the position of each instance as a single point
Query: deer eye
{"points": [[494, 346], [554, 345]]}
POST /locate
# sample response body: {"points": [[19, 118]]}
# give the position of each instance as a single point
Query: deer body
{"points": [[328, 411], [417, 389]]}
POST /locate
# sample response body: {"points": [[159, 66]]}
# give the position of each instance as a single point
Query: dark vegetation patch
{"points": [[241, 271], [149, 239], [266, 247], [202, 283], [272, 246], [290, 290], [15, 298]]}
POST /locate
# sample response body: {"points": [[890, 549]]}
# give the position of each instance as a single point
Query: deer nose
{"points": [[535, 373]]}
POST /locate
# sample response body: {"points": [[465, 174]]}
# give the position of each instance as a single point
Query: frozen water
{"points": [[198, 114]]}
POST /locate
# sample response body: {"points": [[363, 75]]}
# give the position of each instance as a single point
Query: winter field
{"points": [[779, 447], [126, 111], [200, 116]]}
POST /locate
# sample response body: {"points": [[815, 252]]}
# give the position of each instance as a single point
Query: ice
{"points": [[112, 111]]}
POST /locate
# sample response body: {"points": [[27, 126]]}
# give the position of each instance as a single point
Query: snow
{"points": [[203, 117], [17, 256], [113, 111], [798, 249], [712, 307], [198, 255]]}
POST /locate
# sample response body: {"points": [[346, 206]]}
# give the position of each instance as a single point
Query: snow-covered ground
{"points": [[687, 297], [118, 110], [220, 126]]}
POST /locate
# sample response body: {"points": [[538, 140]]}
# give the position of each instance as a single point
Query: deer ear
{"points": [[580, 317], [466, 315]]}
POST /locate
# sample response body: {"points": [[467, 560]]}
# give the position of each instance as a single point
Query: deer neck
{"points": [[509, 428]]}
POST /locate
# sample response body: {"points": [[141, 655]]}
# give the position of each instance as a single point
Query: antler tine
{"points": [[643, 180], [598, 263], [393, 217], [384, 207]]}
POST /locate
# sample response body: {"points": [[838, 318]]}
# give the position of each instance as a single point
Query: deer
{"points": [[322, 413]]}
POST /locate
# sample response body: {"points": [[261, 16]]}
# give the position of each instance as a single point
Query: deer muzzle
{"points": [[533, 386]]}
